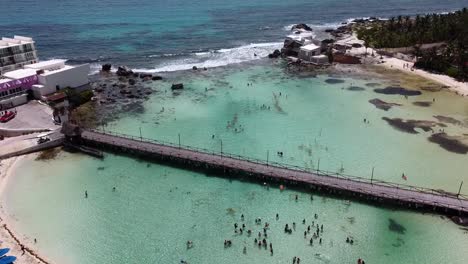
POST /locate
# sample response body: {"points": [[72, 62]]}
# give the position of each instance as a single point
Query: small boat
{"points": [[3, 251], [7, 260]]}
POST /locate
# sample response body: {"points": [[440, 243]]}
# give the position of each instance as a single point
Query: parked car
{"points": [[7, 116]]}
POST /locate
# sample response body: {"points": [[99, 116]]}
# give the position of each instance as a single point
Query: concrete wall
{"points": [[20, 132], [13, 101], [73, 77], [40, 90]]}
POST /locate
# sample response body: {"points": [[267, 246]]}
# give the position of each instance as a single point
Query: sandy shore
{"points": [[458, 87], [8, 237]]}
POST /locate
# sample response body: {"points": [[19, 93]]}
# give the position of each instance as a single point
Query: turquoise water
{"points": [[156, 209]]}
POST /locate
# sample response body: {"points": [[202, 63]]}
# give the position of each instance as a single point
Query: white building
{"points": [[16, 52], [39, 80], [54, 75], [308, 51]]}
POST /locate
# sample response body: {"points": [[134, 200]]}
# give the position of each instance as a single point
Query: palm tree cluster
{"points": [[451, 29]]}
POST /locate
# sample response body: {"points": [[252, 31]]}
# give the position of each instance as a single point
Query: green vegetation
{"points": [[451, 30], [78, 98]]}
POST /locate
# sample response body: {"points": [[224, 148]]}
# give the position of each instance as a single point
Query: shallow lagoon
{"points": [[156, 209]]}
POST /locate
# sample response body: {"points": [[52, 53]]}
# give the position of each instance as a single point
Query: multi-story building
{"points": [[16, 52], [22, 77]]}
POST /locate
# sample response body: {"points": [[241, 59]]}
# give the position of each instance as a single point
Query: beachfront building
{"points": [[306, 52], [16, 52], [38, 80]]}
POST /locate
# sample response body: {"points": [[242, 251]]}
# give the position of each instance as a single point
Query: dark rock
{"points": [[177, 86], [205, 69], [131, 81], [356, 45], [422, 103], [372, 84], [125, 91], [136, 75], [106, 67], [346, 59], [394, 226], [334, 81], [328, 41], [146, 75], [382, 105], [355, 88], [195, 68], [301, 26], [409, 126], [124, 71], [156, 78], [275, 54], [329, 30], [449, 143], [397, 90], [459, 220], [447, 119]]}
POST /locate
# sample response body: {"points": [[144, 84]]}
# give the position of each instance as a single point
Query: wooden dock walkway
{"points": [[378, 191]]}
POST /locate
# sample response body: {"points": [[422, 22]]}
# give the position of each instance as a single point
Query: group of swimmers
{"points": [[349, 240]]}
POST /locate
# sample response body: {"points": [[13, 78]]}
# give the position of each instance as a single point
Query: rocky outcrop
{"points": [[156, 78], [131, 81], [346, 59], [177, 86], [382, 104], [124, 71], [106, 67], [275, 54], [301, 26], [195, 68]]}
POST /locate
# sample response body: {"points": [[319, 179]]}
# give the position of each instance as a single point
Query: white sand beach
{"points": [[9, 238], [458, 87]]}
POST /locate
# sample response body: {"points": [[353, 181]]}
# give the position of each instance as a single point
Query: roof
{"points": [[21, 73], [4, 80], [15, 41], [56, 97], [310, 47], [46, 64]]}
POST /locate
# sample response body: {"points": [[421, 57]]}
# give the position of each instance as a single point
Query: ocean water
{"points": [[173, 35], [156, 209]]}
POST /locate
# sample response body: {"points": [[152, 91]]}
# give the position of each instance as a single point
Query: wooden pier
{"points": [[374, 191]]}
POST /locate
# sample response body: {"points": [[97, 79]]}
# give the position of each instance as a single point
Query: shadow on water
{"points": [[394, 226]]}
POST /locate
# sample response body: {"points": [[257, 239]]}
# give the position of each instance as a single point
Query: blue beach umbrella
{"points": [[3, 251], [7, 260]]}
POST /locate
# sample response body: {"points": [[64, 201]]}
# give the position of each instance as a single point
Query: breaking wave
{"points": [[216, 58]]}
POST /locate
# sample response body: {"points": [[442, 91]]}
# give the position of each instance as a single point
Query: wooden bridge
{"points": [[375, 191]]}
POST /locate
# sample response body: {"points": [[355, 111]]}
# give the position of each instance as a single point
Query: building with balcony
{"points": [[16, 52]]}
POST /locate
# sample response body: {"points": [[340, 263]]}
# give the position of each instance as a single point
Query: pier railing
{"points": [[325, 173]]}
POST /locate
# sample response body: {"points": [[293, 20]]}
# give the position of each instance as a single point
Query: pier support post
{"points": [[318, 166], [459, 189], [179, 139], [372, 175], [268, 154], [141, 136]]}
